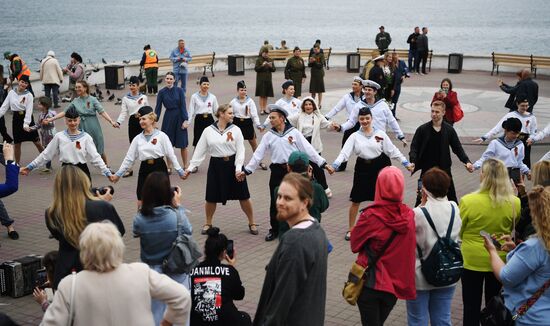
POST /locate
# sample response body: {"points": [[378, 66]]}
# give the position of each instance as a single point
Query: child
{"points": [[47, 130], [508, 149], [43, 293]]}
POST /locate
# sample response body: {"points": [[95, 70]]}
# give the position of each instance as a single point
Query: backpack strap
{"points": [[450, 228], [386, 245], [430, 221]]}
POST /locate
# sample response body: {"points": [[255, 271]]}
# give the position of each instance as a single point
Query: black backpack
{"points": [[444, 264]]}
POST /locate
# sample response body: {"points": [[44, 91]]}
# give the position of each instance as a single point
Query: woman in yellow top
{"points": [[494, 209]]}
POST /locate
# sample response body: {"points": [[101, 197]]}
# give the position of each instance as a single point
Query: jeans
{"points": [[158, 307], [473, 285], [54, 89], [182, 77], [375, 306], [432, 306], [412, 56], [5, 219]]}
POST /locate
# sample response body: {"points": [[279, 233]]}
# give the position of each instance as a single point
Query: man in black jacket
{"points": [[525, 87], [430, 148], [412, 48]]}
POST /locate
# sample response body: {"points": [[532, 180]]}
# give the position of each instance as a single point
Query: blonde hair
{"points": [[539, 205], [496, 181], [541, 173], [221, 109], [152, 116], [101, 247], [67, 213]]}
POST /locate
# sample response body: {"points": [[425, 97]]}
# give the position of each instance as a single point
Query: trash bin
{"points": [[353, 62], [114, 77], [455, 63], [235, 65]]}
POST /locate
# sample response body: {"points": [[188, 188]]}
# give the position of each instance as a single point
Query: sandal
{"points": [[128, 173], [205, 228], [263, 166], [253, 229]]}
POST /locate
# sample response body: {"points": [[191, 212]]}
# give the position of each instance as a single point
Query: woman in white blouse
{"points": [[369, 145], [224, 142], [150, 147], [309, 122], [202, 107], [288, 102], [131, 103]]}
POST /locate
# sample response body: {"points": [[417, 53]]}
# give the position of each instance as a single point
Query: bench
{"points": [[514, 60], [402, 53], [201, 61], [539, 62], [281, 55]]}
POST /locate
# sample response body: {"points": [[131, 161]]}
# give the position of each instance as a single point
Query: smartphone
{"points": [[230, 249], [514, 174], [41, 278], [488, 236]]}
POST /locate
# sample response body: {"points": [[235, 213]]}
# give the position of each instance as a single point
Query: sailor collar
{"points": [[508, 145], [288, 128], [227, 128]]}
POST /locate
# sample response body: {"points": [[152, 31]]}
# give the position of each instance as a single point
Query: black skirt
{"points": [[246, 126], [202, 121], [364, 177], [146, 168], [221, 184], [134, 128], [19, 134], [83, 167]]}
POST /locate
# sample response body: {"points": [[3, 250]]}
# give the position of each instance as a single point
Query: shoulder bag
{"points": [[184, 255], [358, 274]]}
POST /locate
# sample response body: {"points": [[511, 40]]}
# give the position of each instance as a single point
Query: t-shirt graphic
{"points": [[208, 297]]}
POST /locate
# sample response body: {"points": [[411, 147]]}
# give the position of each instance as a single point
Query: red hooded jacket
{"points": [[395, 270], [451, 101]]}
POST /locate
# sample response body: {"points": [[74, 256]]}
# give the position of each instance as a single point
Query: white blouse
{"points": [[219, 143], [72, 149], [511, 154], [19, 103], [245, 109], [528, 124], [369, 147], [202, 105], [131, 105], [157, 146]]}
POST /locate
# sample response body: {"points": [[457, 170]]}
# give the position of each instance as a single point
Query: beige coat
{"points": [[297, 120], [50, 71], [119, 297]]}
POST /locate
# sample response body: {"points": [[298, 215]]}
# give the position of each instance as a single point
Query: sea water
{"points": [[117, 30]]}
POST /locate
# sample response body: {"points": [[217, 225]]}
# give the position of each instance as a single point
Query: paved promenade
{"points": [[482, 101]]}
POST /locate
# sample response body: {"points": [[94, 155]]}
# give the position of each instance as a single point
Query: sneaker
{"points": [[348, 236], [328, 192], [66, 99], [271, 235], [45, 171]]}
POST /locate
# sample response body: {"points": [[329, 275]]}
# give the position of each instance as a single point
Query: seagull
{"points": [[108, 93], [37, 59], [95, 70], [112, 97], [99, 93], [38, 71], [93, 94], [159, 81], [126, 61], [103, 60], [118, 101]]}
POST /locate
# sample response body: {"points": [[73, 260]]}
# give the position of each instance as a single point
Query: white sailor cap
{"points": [[371, 84], [380, 57], [357, 79], [277, 108]]}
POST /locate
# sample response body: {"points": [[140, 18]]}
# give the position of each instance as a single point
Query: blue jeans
{"points": [[432, 306], [158, 307], [182, 77], [54, 90]]}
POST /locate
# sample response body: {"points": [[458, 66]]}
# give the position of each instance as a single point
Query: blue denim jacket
{"points": [[158, 232], [175, 56]]}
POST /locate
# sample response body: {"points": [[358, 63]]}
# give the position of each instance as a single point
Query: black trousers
{"points": [[278, 172], [473, 285], [375, 306], [527, 159], [451, 193], [422, 58], [4, 132], [318, 173], [347, 133]]}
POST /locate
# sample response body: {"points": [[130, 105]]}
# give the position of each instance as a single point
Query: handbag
{"points": [[358, 274], [184, 254], [458, 114], [496, 313]]}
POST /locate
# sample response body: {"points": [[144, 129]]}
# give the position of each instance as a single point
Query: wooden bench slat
{"points": [[201, 60]]}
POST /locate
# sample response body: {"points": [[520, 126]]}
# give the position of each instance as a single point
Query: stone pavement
{"points": [[483, 103]]}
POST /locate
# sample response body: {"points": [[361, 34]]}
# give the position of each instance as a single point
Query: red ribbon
{"points": [[229, 136], [23, 100], [378, 139], [140, 100], [290, 139], [516, 151], [154, 141], [78, 145]]}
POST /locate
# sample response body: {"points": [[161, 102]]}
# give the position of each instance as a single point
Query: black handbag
{"points": [[496, 313]]}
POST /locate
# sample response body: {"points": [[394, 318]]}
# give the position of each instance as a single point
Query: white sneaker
{"points": [[328, 192], [66, 99]]}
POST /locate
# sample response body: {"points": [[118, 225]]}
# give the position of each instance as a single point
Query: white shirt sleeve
{"points": [[532, 129], [214, 105], [200, 151], [254, 113], [191, 111], [522, 166], [259, 153], [239, 155], [28, 110], [541, 134], [346, 151], [123, 111], [497, 129], [305, 146], [130, 157], [393, 124], [393, 152], [489, 152], [169, 152], [94, 157], [47, 154], [337, 108], [6, 104]]}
